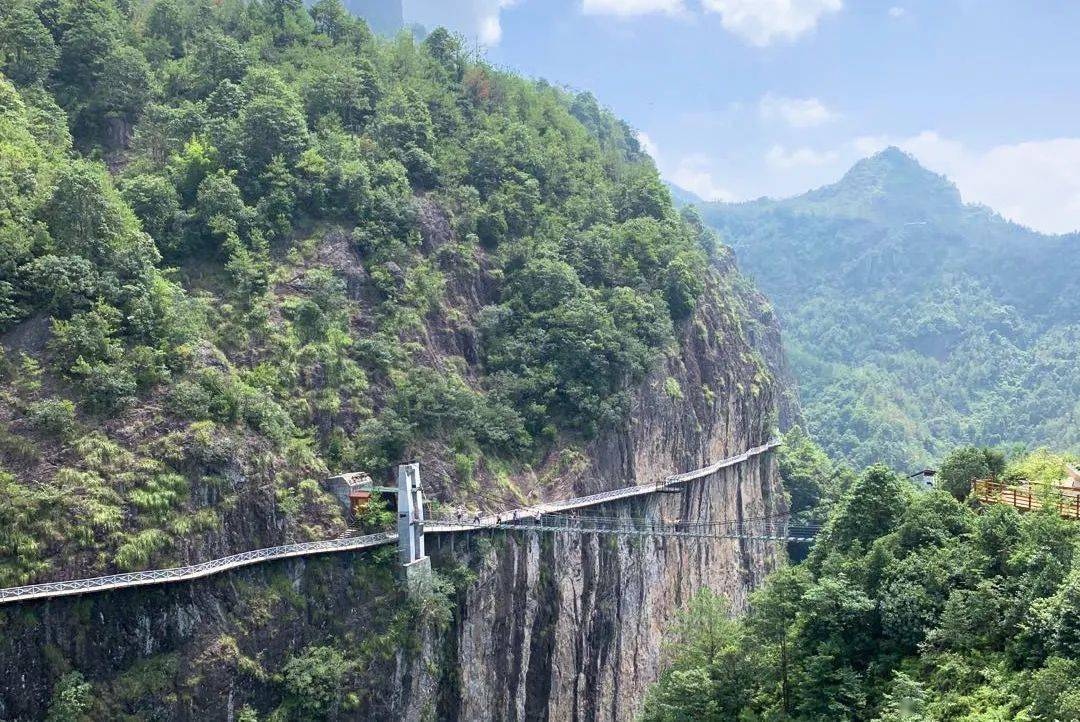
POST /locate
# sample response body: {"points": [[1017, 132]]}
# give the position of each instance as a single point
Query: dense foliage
{"points": [[242, 243], [915, 322], [813, 482], [912, 606]]}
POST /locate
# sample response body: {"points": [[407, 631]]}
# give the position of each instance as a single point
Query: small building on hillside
{"points": [[353, 490]]}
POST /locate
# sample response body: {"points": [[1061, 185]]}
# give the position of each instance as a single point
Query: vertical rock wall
{"points": [[571, 626]]}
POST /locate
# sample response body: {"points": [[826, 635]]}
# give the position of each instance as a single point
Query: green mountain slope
{"points": [[245, 244], [916, 322]]}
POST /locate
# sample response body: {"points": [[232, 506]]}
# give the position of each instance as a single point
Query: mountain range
{"points": [[915, 321]]}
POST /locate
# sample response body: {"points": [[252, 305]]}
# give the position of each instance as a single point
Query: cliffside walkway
{"points": [[542, 517]]}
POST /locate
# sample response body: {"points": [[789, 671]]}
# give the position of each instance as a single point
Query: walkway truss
{"points": [[550, 517], [764, 529]]}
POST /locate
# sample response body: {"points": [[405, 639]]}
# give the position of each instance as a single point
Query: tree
{"points": [[642, 196], [122, 93], [272, 124], [773, 612], [87, 217], [221, 208], [683, 286], [1058, 617], [334, 21], [810, 478], [404, 122], [282, 10], [871, 508], [683, 694], [709, 679], [904, 702], [278, 203], [217, 57], [166, 23], [445, 49], [347, 89], [1053, 691], [90, 33], [60, 284], [28, 53], [963, 466], [157, 204]]}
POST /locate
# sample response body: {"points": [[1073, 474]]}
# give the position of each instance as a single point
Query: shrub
{"points": [[375, 516], [315, 682], [71, 699], [465, 468], [160, 493], [137, 551], [21, 516], [89, 336], [53, 417], [209, 395], [107, 387]]}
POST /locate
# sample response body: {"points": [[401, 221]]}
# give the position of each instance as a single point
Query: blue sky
{"points": [[742, 98]]}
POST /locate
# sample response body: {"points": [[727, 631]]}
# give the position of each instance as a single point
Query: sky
{"points": [[738, 99]]}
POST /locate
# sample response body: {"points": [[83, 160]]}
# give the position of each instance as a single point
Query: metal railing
{"points": [[193, 571], [348, 542]]}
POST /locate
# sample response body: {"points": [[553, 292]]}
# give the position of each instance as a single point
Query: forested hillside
{"points": [[915, 322], [245, 244], [912, 607]]}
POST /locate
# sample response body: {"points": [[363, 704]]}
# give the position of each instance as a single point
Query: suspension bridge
{"points": [[568, 516]]}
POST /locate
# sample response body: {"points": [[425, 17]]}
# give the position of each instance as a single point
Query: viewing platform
{"points": [[1030, 496]]}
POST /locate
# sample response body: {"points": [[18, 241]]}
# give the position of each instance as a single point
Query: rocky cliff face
{"points": [[570, 627], [552, 627]]}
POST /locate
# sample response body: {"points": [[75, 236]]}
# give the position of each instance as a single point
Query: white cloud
{"points": [[784, 159], [476, 19], [1036, 183], [761, 22], [629, 8], [796, 112], [896, 11], [490, 25], [648, 145], [693, 172]]}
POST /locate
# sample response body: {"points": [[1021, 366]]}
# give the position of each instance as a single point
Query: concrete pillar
{"points": [[416, 567]]}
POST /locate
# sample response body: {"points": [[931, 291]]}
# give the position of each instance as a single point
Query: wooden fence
{"points": [[1029, 497]]}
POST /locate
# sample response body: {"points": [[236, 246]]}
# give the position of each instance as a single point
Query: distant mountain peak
{"points": [[890, 185], [893, 164], [682, 196]]}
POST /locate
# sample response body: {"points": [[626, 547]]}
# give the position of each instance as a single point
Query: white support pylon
{"points": [[415, 565]]}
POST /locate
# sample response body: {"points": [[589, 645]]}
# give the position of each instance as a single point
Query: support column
{"points": [[415, 565]]}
